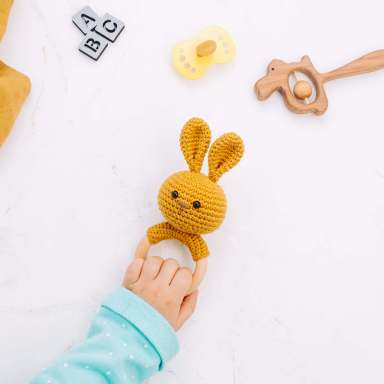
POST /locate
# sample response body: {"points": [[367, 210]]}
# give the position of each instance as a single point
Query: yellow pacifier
{"points": [[192, 58]]}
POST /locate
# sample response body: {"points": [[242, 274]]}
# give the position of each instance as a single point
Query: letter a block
{"points": [[86, 19], [93, 45]]}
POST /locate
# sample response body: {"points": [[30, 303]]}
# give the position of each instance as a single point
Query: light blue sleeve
{"points": [[128, 342]]}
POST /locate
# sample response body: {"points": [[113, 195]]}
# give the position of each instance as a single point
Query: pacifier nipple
{"points": [[206, 48]]}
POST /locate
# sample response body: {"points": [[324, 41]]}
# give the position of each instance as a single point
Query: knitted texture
{"points": [[224, 154], [191, 202], [165, 231], [194, 142], [14, 86], [192, 187]]}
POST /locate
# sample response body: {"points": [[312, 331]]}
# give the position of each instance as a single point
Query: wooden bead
{"points": [[302, 89]]}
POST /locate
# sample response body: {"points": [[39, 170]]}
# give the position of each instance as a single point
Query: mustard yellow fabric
{"points": [[192, 186], [165, 231], [5, 7], [191, 202], [14, 86]]}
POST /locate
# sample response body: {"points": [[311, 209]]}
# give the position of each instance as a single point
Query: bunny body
{"points": [[193, 203]]}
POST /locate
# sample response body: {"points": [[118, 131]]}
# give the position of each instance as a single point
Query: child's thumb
{"points": [[187, 308]]}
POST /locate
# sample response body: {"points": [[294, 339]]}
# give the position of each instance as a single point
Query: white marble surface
{"points": [[295, 292]]}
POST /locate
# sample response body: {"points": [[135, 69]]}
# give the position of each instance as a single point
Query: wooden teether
{"points": [[297, 100], [200, 266]]}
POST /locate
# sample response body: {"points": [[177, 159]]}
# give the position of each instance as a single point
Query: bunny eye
{"points": [[174, 194], [196, 204]]}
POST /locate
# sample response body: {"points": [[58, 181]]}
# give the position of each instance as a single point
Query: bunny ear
{"points": [[194, 142], [224, 154]]}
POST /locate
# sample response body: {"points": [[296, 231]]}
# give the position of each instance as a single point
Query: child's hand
{"points": [[164, 285]]}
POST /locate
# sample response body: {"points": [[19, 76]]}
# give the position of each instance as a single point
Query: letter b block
{"points": [[93, 45]]}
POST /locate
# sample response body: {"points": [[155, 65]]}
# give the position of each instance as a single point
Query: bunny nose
{"points": [[182, 204]]}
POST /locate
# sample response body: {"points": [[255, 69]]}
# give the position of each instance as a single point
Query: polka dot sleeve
{"points": [[128, 342]]}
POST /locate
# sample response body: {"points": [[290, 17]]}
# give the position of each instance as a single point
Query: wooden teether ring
{"points": [[277, 79], [278, 73], [200, 267]]}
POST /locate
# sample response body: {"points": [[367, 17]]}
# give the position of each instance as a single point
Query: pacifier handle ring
{"points": [[200, 267]]}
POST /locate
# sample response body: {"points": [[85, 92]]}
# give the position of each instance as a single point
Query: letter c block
{"points": [[109, 27]]}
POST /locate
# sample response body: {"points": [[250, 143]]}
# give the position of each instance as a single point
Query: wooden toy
{"points": [[98, 31], [191, 202], [192, 58], [14, 86], [93, 45], [86, 19], [109, 27], [305, 97]]}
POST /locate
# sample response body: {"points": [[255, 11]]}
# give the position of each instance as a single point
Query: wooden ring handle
{"points": [[198, 274]]}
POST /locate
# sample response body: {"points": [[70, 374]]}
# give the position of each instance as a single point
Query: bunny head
{"points": [[189, 200]]}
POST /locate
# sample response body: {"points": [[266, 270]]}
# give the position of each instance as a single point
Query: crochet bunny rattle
{"points": [[191, 202]]}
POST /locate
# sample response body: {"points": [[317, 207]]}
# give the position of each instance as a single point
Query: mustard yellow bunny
{"points": [[14, 86], [191, 202]]}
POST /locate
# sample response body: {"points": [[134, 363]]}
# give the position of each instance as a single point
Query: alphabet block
{"points": [[86, 20], [109, 27], [93, 45]]}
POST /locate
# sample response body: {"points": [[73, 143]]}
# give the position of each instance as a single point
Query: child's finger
{"points": [[182, 282], [168, 271], [133, 272], [151, 268], [187, 308]]}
